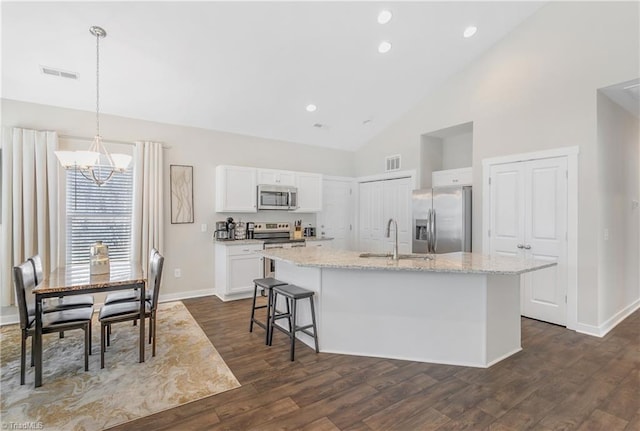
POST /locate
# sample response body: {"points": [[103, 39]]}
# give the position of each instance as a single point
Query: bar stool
{"points": [[292, 294], [266, 284]]}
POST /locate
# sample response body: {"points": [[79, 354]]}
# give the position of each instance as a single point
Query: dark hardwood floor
{"points": [[561, 380]]}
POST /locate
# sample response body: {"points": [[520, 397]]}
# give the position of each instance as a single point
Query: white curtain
{"points": [[29, 202], [148, 200]]}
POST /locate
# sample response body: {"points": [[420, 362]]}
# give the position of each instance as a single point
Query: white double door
{"points": [[528, 202], [380, 201]]}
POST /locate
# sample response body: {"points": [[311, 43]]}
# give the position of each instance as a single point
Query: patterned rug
{"points": [[186, 368]]}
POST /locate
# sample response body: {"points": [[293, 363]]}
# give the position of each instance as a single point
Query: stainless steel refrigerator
{"points": [[442, 220]]}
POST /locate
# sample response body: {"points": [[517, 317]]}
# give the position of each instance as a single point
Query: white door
{"points": [[529, 219], [336, 218], [378, 202], [396, 196]]}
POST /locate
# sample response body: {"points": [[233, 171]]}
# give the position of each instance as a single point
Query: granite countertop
{"points": [[464, 263], [260, 241], [239, 241]]}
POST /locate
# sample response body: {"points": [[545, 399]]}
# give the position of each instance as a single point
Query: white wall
{"points": [[534, 90], [457, 151], [185, 246], [618, 154]]}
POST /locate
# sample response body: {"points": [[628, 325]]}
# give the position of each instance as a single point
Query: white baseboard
{"points": [[606, 327]]}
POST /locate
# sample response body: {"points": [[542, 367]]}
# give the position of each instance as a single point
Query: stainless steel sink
{"points": [[400, 256]]}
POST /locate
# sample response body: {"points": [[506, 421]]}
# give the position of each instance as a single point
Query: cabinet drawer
{"points": [[243, 249], [452, 177]]}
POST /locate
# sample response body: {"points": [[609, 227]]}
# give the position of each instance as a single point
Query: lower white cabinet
{"points": [[236, 266]]}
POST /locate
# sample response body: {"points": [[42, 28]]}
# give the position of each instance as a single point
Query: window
{"points": [[99, 214]]}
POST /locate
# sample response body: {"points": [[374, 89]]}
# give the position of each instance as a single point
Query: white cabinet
{"points": [[276, 177], [236, 266], [452, 177], [309, 192], [236, 189]]}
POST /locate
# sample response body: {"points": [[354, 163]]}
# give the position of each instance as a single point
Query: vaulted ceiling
{"points": [[249, 67]]}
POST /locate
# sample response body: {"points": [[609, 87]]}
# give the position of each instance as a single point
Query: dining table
{"points": [[78, 280]]}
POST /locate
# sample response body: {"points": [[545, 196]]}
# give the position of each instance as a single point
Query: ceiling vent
{"points": [[392, 163], [57, 72]]}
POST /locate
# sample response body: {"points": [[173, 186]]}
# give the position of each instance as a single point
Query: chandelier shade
{"points": [[96, 164]]}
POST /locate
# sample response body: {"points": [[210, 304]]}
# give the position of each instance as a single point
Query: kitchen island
{"points": [[458, 308]]}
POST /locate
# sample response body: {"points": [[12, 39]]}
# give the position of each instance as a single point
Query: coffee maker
{"points": [[231, 228], [221, 230], [250, 229]]}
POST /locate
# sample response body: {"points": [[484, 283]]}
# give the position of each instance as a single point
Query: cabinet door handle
{"points": [[520, 246], [527, 247]]}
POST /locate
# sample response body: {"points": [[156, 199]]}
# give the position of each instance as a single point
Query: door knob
{"points": [[520, 246], [527, 247]]}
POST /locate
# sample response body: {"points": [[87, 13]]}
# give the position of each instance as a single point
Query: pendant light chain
{"points": [[97, 165], [98, 84]]}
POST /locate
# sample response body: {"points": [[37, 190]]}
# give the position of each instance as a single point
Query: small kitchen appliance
{"points": [[250, 229], [272, 197], [309, 231]]}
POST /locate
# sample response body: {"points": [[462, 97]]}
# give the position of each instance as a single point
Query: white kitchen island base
{"points": [[449, 318]]}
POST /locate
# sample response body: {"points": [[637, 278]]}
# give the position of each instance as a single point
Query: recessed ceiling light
{"points": [[384, 16], [384, 47], [470, 31], [311, 107]]}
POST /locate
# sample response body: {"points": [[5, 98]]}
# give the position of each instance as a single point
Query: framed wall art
{"points": [[181, 182]]}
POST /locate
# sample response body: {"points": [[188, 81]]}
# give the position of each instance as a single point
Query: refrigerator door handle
{"points": [[429, 231], [434, 235]]}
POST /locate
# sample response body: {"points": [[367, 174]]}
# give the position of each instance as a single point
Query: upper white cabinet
{"points": [[309, 192], [276, 177], [452, 177], [236, 189]]}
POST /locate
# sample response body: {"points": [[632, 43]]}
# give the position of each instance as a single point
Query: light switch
{"points": [[203, 227], [606, 234]]}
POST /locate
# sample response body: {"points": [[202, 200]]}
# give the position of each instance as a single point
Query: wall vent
{"points": [[392, 163], [57, 72]]}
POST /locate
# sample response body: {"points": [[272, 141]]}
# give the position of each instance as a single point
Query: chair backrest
{"points": [[36, 261], [155, 278], [24, 281]]}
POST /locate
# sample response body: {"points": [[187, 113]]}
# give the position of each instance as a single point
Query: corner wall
{"points": [[618, 219], [534, 90]]}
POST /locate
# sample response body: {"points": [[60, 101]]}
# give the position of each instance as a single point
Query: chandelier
{"points": [[96, 164]]}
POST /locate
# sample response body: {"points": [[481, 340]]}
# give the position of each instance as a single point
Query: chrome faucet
{"points": [[395, 243]]}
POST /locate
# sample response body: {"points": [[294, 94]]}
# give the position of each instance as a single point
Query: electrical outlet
{"points": [[177, 273], [606, 234], [203, 227]]}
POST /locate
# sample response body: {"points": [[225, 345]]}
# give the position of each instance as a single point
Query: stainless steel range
{"points": [[275, 235]]}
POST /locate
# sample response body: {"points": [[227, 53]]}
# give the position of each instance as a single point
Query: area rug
{"points": [[187, 367]]}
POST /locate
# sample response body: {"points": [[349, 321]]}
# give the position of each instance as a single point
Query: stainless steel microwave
{"points": [[271, 197]]}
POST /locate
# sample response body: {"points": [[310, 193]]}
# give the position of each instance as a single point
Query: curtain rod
{"points": [[106, 141]]}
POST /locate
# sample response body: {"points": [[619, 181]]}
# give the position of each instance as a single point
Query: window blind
{"points": [[98, 214]]}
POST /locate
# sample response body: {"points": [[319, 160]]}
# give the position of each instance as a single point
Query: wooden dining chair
{"points": [[24, 280], [130, 311]]}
